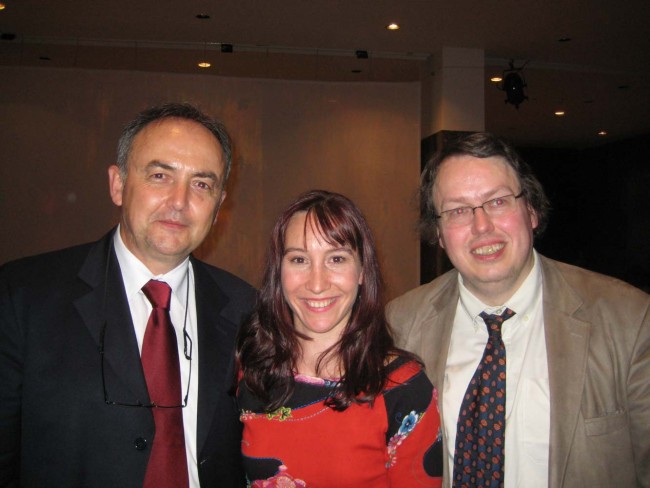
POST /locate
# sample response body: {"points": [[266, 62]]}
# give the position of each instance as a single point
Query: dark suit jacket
{"points": [[55, 429], [597, 333]]}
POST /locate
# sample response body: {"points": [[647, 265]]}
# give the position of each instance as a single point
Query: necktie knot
{"points": [[158, 293], [494, 321]]}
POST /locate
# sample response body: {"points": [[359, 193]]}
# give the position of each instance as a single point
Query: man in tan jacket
{"points": [[577, 349]]}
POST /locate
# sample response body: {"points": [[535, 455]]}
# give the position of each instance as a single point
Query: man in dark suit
{"points": [[76, 401], [576, 349]]}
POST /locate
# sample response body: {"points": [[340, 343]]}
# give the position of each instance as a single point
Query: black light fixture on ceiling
{"points": [[513, 84], [361, 54]]}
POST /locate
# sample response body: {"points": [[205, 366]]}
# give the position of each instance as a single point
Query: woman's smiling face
{"points": [[320, 280]]}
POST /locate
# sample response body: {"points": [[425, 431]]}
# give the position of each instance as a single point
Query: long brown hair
{"points": [[268, 345]]}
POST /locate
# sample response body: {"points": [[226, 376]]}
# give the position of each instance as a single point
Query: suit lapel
{"points": [[105, 308], [215, 344], [437, 329], [567, 343], [437, 337]]}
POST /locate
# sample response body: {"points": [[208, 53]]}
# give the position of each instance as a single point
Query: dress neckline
{"points": [[315, 380]]}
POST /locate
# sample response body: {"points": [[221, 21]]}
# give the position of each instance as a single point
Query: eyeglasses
{"points": [[496, 207], [187, 351]]}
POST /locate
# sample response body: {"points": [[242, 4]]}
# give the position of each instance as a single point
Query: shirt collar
{"points": [[522, 301], [135, 274]]}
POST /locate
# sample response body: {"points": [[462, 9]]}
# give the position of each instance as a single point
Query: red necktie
{"points": [[167, 466], [480, 438]]}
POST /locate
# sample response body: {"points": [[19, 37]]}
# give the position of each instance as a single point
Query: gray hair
{"points": [[172, 110]]}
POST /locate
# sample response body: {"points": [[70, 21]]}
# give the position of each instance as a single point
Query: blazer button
{"points": [[140, 444]]}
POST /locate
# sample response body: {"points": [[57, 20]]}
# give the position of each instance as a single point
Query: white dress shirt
{"points": [[527, 390], [135, 275]]}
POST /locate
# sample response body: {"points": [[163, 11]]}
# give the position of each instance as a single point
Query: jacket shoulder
{"points": [[596, 289], [231, 285], [45, 267], [424, 294]]}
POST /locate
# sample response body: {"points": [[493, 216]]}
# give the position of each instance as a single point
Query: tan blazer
{"points": [[597, 333]]}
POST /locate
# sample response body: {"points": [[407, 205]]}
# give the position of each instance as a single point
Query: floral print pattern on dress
{"points": [[408, 424], [281, 480], [282, 413]]}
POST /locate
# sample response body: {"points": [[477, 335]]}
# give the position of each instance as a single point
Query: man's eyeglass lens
{"points": [[494, 207]]}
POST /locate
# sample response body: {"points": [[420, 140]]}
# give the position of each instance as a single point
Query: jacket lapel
{"points": [[567, 343], [105, 310], [436, 337], [215, 342], [437, 329]]}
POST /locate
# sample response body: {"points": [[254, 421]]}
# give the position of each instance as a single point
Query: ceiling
{"points": [[600, 77]]}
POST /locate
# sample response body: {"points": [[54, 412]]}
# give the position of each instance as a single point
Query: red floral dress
{"points": [[396, 442]]}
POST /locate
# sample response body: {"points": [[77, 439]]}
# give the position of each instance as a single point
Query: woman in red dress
{"points": [[326, 398]]}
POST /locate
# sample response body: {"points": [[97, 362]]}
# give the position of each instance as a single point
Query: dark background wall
{"points": [[601, 204]]}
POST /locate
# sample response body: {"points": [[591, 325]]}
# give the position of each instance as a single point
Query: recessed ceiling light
{"points": [[392, 26], [496, 79], [564, 39], [602, 133], [356, 71], [2, 6], [204, 64], [559, 113], [45, 58], [203, 16]]}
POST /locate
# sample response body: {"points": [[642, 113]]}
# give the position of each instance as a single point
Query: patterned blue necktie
{"points": [[480, 438]]}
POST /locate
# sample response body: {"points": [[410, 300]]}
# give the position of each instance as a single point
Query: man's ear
{"points": [[115, 184], [216, 214], [441, 241], [534, 221]]}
